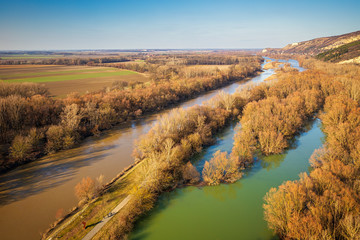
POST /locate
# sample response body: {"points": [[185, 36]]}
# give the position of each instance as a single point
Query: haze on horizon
{"points": [[68, 24]]}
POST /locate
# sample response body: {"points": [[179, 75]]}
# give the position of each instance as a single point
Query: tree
{"points": [[221, 169], [20, 148], [190, 174], [85, 189], [71, 117], [271, 142]]}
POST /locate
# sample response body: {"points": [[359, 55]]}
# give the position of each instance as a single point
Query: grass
{"points": [[93, 214], [99, 208], [58, 78]]}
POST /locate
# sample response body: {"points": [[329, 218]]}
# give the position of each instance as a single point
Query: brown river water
{"points": [[31, 194]]}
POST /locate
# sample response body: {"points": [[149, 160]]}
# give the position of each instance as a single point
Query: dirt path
{"points": [[98, 226]]}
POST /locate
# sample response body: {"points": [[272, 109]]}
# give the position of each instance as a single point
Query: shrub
{"points": [[221, 169], [22, 89], [20, 148], [55, 136], [272, 142], [190, 174]]}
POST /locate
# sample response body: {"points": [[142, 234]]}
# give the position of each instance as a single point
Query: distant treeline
{"points": [[149, 59], [64, 61], [204, 59], [33, 124]]}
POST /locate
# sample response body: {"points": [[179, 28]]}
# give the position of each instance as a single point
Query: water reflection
{"points": [[46, 174], [272, 162], [222, 193]]}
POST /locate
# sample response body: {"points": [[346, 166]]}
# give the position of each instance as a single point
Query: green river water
{"points": [[228, 211]]}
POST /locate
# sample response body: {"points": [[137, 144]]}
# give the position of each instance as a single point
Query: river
{"points": [[31, 195]]}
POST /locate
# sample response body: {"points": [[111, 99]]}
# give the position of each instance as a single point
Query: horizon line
{"points": [[125, 49]]}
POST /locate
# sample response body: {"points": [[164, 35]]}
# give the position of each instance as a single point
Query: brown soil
{"points": [[61, 89], [24, 69]]}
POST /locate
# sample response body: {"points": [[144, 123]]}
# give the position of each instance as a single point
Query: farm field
{"points": [[62, 80], [28, 56]]}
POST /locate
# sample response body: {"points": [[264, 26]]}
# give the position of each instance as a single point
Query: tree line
{"points": [[198, 59], [65, 61]]}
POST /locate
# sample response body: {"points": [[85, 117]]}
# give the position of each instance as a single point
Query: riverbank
{"points": [[73, 218]]}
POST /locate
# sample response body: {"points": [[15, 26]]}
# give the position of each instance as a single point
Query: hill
{"points": [[342, 48]]}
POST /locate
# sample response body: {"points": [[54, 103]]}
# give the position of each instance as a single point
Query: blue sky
{"points": [[108, 24]]}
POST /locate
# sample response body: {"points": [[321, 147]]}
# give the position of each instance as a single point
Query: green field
{"points": [[13, 76], [63, 80], [57, 78]]}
